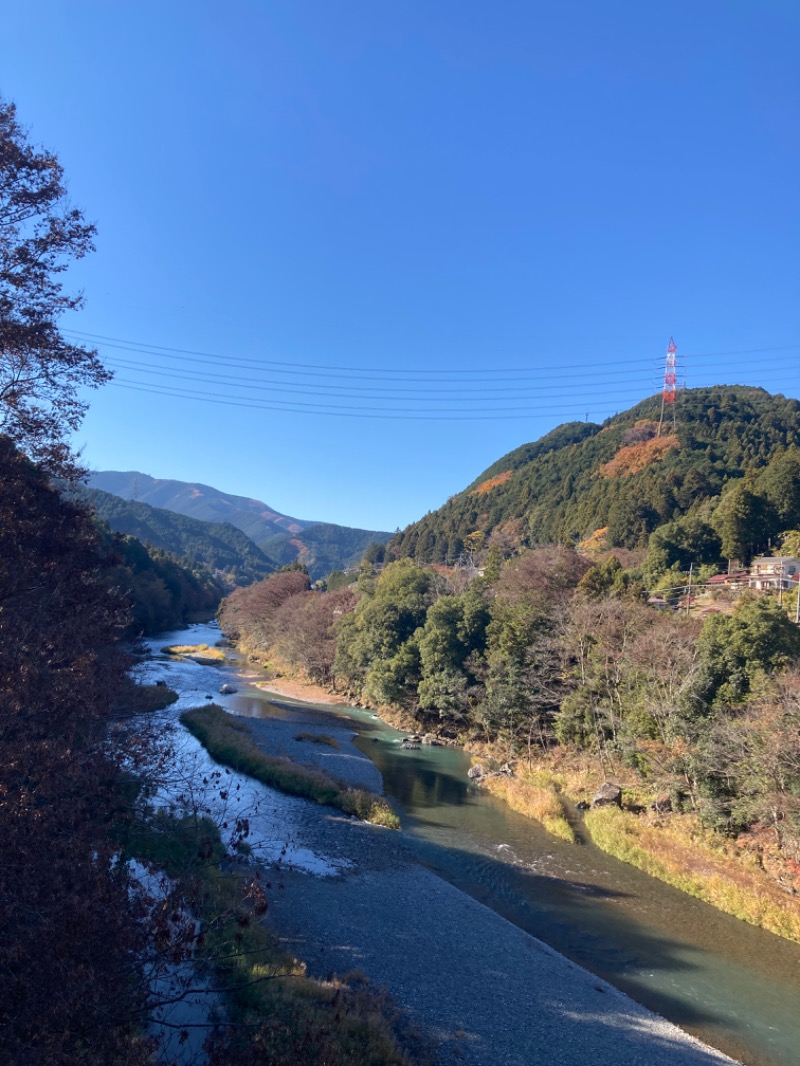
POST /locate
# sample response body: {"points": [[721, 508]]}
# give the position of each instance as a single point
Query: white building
{"points": [[771, 573]]}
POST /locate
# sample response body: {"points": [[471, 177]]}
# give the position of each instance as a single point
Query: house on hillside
{"points": [[773, 573], [738, 579]]}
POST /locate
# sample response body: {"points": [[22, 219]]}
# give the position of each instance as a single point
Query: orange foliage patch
{"points": [[594, 543], [632, 458], [492, 483]]}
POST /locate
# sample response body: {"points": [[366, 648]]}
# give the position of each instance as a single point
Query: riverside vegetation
{"points": [[549, 655], [229, 742], [75, 808], [86, 945]]}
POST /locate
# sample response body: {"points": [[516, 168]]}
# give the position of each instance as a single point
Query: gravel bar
{"points": [[485, 991]]}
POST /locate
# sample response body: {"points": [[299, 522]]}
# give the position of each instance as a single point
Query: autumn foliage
{"points": [[631, 458], [492, 483]]}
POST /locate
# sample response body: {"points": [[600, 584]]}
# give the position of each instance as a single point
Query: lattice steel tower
{"points": [[670, 384]]}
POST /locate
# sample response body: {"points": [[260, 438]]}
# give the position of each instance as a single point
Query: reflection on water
{"points": [[734, 986]]}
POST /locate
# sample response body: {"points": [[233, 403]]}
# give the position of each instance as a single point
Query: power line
{"points": [[330, 410], [333, 370], [460, 395]]}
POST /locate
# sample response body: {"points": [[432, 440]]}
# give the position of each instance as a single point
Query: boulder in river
{"points": [[607, 795], [476, 771], [227, 689]]}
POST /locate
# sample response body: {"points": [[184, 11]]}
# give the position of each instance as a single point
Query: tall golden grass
{"points": [[691, 859], [536, 795]]}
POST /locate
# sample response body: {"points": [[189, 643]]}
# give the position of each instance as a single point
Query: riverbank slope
{"points": [[488, 992]]}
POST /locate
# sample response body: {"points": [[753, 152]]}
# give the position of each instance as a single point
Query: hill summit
{"points": [[621, 479]]}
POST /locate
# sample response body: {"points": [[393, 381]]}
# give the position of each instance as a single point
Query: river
{"points": [[735, 987]]}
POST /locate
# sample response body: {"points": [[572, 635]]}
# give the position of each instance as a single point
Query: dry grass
{"points": [[631, 458], [229, 742], [201, 653], [699, 862], [533, 792], [536, 795], [318, 738], [492, 483]]}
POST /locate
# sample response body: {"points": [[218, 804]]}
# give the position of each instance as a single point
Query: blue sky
{"points": [[350, 253]]}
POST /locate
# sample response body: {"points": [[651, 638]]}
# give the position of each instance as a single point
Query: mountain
{"points": [[195, 500], [621, 476], [321, 546], [219, 546]]}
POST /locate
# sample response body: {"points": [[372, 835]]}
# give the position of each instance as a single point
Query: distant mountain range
{"points": [[219, 546], [272, 539]]}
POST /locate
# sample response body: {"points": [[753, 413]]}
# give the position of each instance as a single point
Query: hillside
{"points": [[219, 546], [323, 547], [582, 477], [195, 500], [279, 539]]}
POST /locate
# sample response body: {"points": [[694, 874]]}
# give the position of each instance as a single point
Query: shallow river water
{"points": [[732, 985]]}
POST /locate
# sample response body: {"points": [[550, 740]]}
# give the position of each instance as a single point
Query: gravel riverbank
{"points": [[486, 991]]}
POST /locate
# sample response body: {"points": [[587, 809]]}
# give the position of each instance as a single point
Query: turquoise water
{"points": [[732, 985]]}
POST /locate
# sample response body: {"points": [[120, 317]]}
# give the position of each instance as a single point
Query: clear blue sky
{"points": [[502, 210]]}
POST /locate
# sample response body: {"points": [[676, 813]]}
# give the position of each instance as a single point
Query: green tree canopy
{"points": [[739, 649], [744, 520]]}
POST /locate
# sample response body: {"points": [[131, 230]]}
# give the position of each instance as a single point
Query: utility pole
{"points": [[797, 609], [689, 592]]}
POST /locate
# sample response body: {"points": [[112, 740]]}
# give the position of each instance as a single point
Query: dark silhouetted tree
{"points": [[41, 233]]}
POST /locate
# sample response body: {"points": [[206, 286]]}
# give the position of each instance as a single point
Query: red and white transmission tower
{"points": [[670, 384]]}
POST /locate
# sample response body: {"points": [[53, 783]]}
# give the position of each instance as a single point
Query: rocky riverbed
{"points": [[483, 989]]}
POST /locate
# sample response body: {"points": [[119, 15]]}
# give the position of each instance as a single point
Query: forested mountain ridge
{"points": [[219, 546], [323, 547], [618, 475], [320, 546], [196, 500]]}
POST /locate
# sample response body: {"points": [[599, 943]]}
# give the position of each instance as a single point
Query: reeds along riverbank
{"points": [[672, 847], [535, 795], [229, 742], [680, 852]]}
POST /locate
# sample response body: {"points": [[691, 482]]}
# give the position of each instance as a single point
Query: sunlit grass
{"points": [[201, 653], [695, 861], [536, 795], [229, 742]]}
